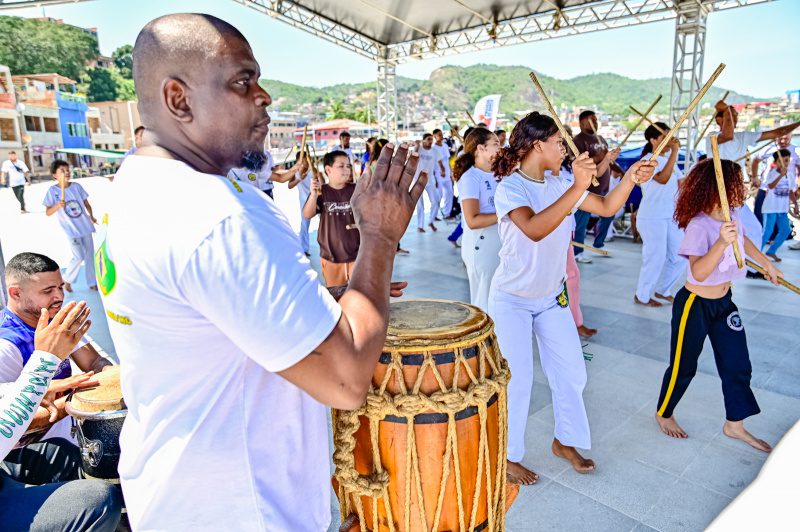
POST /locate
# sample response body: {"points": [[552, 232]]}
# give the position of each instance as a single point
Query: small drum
{"points": [[98, 415], [428, 449]]}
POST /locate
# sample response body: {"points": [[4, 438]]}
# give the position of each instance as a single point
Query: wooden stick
{"points": [[454, 130], [645, 117], [63, 197], [474, 123], [723, 197], [639, 122], [753, 152], [590, 248], [711, 121], [567, 138], [688, 111], [781, 280], [303, 144], [291, 151]]}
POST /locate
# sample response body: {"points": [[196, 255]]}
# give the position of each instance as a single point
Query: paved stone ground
{"points": [[644, 480]]}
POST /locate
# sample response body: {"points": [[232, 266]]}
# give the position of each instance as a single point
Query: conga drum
{"points": [[98, 414], [427, 451]]}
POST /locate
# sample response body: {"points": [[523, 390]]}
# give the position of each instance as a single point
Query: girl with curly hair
{"points": [[703, 307], [528, 292], [661, 266], [476, 185]]}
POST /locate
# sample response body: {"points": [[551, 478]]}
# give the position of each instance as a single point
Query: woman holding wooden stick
{"points": [[528, 292], [661, 265], [476, 187], [703, 307]]}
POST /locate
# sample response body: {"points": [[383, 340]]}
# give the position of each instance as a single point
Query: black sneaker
{"points": [[755, 275]]}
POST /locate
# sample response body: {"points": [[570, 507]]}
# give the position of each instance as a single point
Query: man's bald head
{"points": [[199, 97], [176, 45]]}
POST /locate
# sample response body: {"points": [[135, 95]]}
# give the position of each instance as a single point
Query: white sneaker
{"points": [[795, 246], [582, 258]]}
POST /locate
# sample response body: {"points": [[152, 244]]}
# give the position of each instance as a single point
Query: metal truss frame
{"points": [[387, 98], [687, 70], [586, 18]]}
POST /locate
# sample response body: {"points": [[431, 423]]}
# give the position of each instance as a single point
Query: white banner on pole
{"points": [[486, 110]]}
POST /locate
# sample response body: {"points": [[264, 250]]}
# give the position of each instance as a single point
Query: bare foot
{"points": [[670, 427], [455, 244], [519, 474], [735, 429], [586, 332], [420, 230], [433, 228], [774, 257], [68, 287], [665, 298], [650, 303], [579, 463]]}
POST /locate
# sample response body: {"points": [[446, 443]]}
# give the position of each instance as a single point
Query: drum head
{"points": [[105, 397], [432, 319]]}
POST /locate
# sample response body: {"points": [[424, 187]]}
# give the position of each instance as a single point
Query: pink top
{"points": [[701, 233]]}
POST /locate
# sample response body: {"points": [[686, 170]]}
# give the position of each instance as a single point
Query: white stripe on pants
{"points": [[480, 251], [562, 361], [304, 224], [82, 252], [661, 265], [433, 197], [446, 194]]}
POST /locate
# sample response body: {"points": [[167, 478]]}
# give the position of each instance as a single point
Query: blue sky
{"points": [[755, 42]]}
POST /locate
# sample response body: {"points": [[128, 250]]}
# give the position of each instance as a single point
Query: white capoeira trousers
{"points": [[446, 194], [661, 265], [82, 252], [480, 251], [432, 192], [562, 361]]}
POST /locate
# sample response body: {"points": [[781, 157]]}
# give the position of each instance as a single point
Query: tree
{"points": [[123, 59], [107, 84], [30, 46], [336, 110], [101, 85]]}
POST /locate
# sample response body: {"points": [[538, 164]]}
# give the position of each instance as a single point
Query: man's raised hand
{"points": [[384, 201], [62, 333]]}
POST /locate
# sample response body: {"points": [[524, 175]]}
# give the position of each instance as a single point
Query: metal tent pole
{"points": [[687, 70], [387, 99]]}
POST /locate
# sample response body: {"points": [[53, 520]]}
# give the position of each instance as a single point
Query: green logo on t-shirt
{"points": [[104, 267]]}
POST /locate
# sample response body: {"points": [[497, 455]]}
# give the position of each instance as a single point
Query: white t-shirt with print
{"points": [[658, 200], [204, 310], [479, 185], [15, 176], [777, 199], [531, 269], [259, 179], [73, 217], [736, 147], [766, 155]]}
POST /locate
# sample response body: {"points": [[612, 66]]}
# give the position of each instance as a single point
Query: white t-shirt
{"points": [[348, 151], [204, 310], [73, 217], [16, 172], [766, 155], [304, 185], [736, 147], [479, 185], [531, 269], [259, 179], [428, 160], [658, 201], [444, 157], [777, 199]]}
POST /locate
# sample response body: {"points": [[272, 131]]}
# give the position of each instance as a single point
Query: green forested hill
{"points": [[458, 88]]}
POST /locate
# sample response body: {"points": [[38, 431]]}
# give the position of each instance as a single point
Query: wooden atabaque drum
{"points": [[427, 451]]}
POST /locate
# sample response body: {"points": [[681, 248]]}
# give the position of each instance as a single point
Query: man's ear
{"points": [[176, 97], [14, 292]]}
